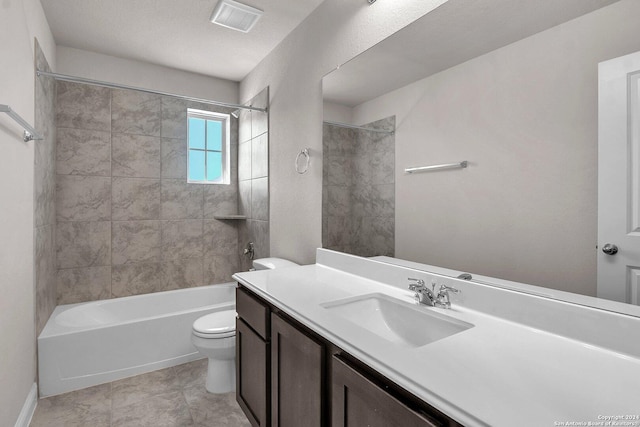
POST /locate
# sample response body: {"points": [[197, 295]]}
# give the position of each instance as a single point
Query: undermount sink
{"points": [[396, 321]]}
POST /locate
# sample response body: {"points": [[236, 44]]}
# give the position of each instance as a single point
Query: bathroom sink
{"points": [[396, 321]]}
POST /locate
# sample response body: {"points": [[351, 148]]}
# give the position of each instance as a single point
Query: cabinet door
{"points": [[252, 381], [297, 377], [356, 401]]}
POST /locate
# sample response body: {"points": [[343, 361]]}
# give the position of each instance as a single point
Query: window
{"points": [[208, 139]]}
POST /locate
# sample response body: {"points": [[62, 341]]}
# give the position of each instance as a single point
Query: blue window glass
{"points": [[196, 133], [207, 145], [214, 165], [214, 135], [196, 165]]}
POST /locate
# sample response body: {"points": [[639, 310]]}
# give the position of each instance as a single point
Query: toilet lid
{"points": [[220, 324]]}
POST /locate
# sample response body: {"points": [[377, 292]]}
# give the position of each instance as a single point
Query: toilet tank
{"points": [[271, 263]]}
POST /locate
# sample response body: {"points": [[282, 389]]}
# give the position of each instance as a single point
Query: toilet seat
{"points": [[221, 324]]}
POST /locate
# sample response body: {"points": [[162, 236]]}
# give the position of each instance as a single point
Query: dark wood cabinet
{"points": [[252, 374], [289, 376], [358, 401], [297, 377]]}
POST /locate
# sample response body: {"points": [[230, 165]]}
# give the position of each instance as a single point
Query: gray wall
{"points": [[21, 22], [525, 117], [358, 189], [253, 176], [332, 34], [127, 221]]}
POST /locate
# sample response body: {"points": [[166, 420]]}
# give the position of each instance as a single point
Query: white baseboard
{"points": [[28, 408]]}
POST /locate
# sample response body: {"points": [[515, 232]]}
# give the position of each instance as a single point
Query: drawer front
{"points": [[357, 401], [253, 312]]}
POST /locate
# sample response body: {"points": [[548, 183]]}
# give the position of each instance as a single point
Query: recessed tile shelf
{"points": [[232, 217]]}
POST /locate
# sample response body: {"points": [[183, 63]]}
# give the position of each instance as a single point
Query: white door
{"points": [[619, 179]]}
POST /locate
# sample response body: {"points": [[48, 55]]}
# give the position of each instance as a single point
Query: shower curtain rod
{"points": [[344, 125], [30, 132], [67, 78]]}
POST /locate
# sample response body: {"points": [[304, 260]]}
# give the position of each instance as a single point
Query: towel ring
{"points": [[307, 159]]}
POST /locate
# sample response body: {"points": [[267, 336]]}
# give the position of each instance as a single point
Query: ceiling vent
{"points": [[234, 15]]}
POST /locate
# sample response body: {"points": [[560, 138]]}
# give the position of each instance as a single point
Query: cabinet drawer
{"points": [[358, 401], [253, 312]]}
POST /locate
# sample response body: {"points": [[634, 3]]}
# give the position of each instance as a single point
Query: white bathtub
{"points": [[101, 341]]}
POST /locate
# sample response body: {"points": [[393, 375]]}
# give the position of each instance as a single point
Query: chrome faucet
{"points": [[427, 296], [423, 294], [442, 300]]}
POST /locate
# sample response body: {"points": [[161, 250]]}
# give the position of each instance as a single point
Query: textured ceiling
{"points": [[174, 33]]}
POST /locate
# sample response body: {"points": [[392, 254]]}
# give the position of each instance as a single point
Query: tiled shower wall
{"points": [[127, 220], [358, 197], [253, 175], [44, 194]]}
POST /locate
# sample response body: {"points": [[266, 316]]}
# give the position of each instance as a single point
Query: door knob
{"points": [[610, 249]]}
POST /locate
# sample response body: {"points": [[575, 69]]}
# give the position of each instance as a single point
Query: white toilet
{"points": [[214, 335]]}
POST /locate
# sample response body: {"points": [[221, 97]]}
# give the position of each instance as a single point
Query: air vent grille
{"points": [[234, 15]]}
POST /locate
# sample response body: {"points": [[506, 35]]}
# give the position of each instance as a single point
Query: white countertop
{"points": [[497, 373]]}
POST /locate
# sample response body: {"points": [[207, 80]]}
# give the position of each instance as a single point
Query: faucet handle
{"points": [[445, 288], [415, 286]]}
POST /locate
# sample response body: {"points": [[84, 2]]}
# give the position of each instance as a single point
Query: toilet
{"points": [[214, 335]]}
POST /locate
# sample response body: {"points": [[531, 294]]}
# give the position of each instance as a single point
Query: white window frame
{"points": [[225, 119]]}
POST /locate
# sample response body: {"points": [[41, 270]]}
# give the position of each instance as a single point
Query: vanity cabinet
{"points": [[297, 376], [252, 358], [288, 376]]}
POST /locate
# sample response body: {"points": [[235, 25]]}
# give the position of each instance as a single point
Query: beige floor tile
{"points": [[216, 410], [163, 410], [141, 387], [192, 374], [87, 407]]}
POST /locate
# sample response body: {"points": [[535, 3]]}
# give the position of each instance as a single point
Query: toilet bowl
{"points": [[214, 335]]}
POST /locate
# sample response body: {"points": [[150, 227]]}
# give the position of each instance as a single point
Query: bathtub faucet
{"points": [[248, 251]]}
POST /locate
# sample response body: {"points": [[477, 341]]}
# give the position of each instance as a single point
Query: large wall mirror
{"points": [[511, 87]]}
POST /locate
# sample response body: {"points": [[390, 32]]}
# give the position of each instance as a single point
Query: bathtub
{"points": [[101, 341]]}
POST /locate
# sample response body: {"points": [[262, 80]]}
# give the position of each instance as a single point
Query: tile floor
{"points": [[171, 397]]}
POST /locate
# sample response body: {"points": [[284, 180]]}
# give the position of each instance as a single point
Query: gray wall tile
{"points": [[220, 238], [220, 268], [181, 200], [174, 158], [83, 198], [44, 196], [244, 198], [182, 239], [135, 242], [83, 284], [174, 118], [83, 106], [83, 152], [244, 161], [83, 244], [135, 198], [260, 199], [45, 273], [259, 235], [135, 112], [135, 155], [151, 233], [182, 273], [358, 200], [135, 279], [260, 156], [244, 126], [220, 199]]}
